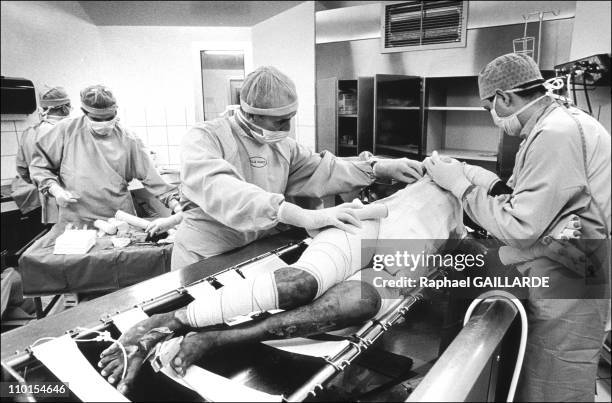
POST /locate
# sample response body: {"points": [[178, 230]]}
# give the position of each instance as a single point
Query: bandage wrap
{"points": [[335, 255], [241, 298]]}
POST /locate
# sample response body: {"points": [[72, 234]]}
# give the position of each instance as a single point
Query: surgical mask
{"points": [[266, 136], [102, 128], [511, 123]]}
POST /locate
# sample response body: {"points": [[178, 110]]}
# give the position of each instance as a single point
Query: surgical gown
{"points": [[23, 191], [550, 184], [237, 185], [95, 168]]}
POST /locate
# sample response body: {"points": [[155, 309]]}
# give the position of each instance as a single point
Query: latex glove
{"points": [[163, 224], [63, 198], [342, 216], [400, 169], [558, 246], [480, 176], [447, 173], [571, 230], [175, 206]]}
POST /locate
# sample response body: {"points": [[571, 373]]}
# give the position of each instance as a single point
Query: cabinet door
{"points": [[365, 122], [326, 114]]}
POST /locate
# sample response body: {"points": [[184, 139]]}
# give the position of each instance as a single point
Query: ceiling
{"points": [[184, 13]]}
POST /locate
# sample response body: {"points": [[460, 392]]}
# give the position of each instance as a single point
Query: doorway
{"points": [[222, 78]]}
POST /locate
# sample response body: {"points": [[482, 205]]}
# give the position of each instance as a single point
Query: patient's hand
{"points": [[193, 347], [137, 342]]}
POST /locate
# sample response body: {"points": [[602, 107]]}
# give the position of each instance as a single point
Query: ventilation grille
{"points": [[418, 25]]}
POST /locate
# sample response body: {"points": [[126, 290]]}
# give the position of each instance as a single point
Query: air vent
{"points": [[420, 25]]}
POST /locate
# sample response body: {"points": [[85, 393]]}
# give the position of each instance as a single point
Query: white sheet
{"points": [[64, 359], [216, 388], [313, 348], [125, 320]]}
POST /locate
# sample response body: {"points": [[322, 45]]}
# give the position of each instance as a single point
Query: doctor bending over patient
{"points": [[236, 172], [87, 162], [562, 169]]}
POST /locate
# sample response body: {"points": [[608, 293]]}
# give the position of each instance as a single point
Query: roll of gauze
{"points": [[132, 219], [108, 228], [122, 226]]}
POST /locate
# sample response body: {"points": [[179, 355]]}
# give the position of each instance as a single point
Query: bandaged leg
{"points": [[420, 211], [239, 298], [345, 304]]}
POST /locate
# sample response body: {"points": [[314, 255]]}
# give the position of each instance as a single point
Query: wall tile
{"points": [[175, 155], [175, 134], [156, 116], [9, 143], [161, 154], [157, 136], [8, 168], [8, 126], [136, 116], [175, 115]]}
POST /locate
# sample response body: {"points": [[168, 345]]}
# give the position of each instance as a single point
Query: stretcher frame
{"points": [[359, 342]]}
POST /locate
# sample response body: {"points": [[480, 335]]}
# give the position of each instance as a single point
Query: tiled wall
{"points": [[11, 132], [160, 128]]}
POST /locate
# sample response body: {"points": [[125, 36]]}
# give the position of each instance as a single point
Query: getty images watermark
{"points": [[470, 268]]}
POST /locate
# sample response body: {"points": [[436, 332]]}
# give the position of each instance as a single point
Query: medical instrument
{"points": [[526, 44]]}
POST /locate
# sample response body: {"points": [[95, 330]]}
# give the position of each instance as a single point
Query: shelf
{"points": [[469, 154], [409, 108], [344, 145], [457, 108], [347, 115], [403, 148]]}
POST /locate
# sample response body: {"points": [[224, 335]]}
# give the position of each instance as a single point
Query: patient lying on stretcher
{"points": [[321, 292]]}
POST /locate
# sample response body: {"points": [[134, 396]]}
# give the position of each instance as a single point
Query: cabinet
{"points": [[344, 115], [455, 123], [397, 116]]}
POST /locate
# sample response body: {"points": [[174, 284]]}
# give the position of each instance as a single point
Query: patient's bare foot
{"points": [[137, 342], [193, 347]]}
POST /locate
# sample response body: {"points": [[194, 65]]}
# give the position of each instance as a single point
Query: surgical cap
{"points": [[98, 101], [507, 72], [55, 96], [267, 91]]}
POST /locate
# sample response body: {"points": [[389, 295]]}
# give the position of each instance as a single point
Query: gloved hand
{"points": [[342, 216], [400, 169], [447, 173], [163, 224], [175, 206], [63, 198], [480, 176]]}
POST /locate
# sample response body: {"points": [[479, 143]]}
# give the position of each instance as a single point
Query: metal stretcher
{"points": [[263, 363]]}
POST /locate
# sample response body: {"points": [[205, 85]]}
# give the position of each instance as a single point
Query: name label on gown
{"points": [[258, 162]]}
